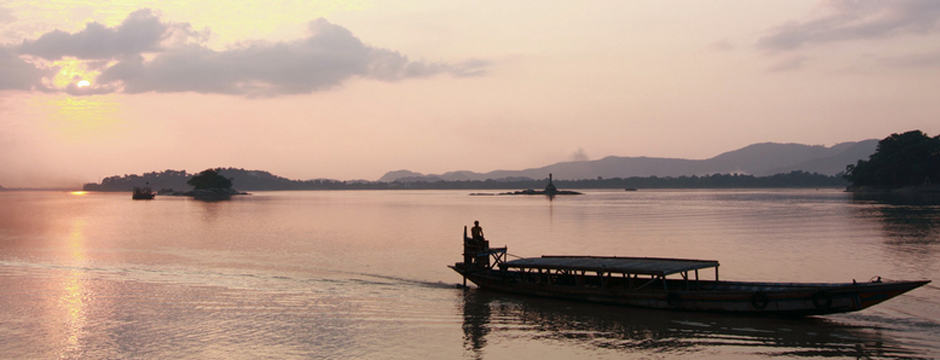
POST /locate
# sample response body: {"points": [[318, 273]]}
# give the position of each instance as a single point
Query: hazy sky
{"points": [[352, 89]]}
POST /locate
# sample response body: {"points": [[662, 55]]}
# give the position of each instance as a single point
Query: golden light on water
{"points": [[76, 243], [73, 300], [74, 304], [78, 192]]}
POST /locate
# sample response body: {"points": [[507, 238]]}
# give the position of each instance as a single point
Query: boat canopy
{"points": [[628, 265]]}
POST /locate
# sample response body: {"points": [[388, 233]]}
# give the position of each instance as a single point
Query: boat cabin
{"points": [[630, 273], [610, 272]]}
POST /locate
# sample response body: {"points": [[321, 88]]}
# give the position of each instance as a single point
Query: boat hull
{"points": [[793, 299]]}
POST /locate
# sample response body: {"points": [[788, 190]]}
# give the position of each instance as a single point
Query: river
{"points": [[363, 275]]}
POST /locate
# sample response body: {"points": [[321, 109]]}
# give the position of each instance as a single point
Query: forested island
{"points": [[907, 163], [256, 180]]}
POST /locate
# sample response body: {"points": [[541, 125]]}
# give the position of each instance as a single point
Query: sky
{"points": [[352, 89]]}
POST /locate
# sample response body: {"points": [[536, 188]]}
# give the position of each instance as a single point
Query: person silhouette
{"points": [[476, 232]]}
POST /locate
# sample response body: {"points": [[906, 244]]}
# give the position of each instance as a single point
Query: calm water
{"points": [[363, 274]]}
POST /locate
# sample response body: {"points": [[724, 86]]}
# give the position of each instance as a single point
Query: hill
{"points": [[759, 159]]}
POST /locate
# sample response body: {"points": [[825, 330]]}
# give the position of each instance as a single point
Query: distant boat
{"points": [[646, 282], [143, 193]]}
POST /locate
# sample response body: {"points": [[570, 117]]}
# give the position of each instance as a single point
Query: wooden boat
{"points": [[143, 193], [663, 283]]}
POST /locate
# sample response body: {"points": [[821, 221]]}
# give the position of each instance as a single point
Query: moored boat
{"points": [[143, 193], [663, 283]]}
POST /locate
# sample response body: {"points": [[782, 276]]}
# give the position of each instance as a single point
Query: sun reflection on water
{"points": [[74, 298]]}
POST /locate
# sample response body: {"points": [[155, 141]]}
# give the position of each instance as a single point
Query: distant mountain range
{"points": [[759, 160], [794, 162]]}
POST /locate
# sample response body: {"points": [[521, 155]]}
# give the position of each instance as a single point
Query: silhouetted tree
{"points": [[908, 159], [209, 179]]}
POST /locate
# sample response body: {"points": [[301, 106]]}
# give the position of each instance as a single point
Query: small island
{"points": [[550, 190], [208, 185]]}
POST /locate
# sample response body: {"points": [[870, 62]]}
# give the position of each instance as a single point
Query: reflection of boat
{"points": [[607, 331], [143, 193], [663, 284]]}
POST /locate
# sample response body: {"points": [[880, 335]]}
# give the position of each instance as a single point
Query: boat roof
{"points": [[628, 265]]}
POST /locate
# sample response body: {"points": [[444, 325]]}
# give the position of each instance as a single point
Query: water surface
{"points": [[362, 274]]}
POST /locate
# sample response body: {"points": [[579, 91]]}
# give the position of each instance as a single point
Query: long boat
{"points": [[663, 283]]}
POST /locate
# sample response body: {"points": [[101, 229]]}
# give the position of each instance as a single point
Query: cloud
{"points": [[17, 74], [321, 61], [789, 64], [144, 54], [923, 60], [6, 16], [857, 20], [579, 155], [722, 45], [141, 32]]}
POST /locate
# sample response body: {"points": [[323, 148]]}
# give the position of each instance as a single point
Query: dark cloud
{"points": [[321, 61], [144, 54], [857, 20], [141, 32], [16, 74]]}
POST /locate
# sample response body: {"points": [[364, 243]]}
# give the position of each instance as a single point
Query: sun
{"points": [[83, 83]]}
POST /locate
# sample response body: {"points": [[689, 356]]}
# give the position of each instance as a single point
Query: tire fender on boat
{"points": [[759, 300], [822, 299]]}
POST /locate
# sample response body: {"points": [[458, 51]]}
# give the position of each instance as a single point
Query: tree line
{"points": [[255, 180], [910, 159]]}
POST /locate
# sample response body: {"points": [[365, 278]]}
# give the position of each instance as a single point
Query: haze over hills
{"points": [[759, 159]]}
